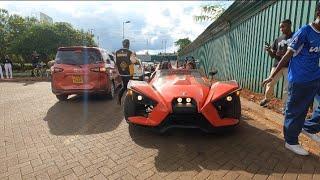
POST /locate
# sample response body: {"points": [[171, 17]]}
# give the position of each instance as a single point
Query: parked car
{"points": [[80, 69]]}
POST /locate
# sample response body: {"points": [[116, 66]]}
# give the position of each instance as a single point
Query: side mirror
{"points": [[108, 66], [147, 73], [212, 73]]}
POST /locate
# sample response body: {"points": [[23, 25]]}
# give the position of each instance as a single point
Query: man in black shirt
{"points": [[8, 67], [124, 58], [276, 51], [35, 60]]}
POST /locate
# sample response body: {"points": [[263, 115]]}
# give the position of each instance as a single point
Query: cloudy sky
{"points": [[154, 25]]}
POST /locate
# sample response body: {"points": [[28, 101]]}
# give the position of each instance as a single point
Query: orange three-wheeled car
{"points": [[185, 99]]}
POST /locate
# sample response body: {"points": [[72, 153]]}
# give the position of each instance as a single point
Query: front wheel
{"points": [[236, 108], [129, 107], [62, 97]]}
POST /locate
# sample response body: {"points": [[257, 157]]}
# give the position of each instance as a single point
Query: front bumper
{"points": [[190, 121]]}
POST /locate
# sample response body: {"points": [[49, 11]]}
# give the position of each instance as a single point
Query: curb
{"points": [[269, 116], [25, 79]]}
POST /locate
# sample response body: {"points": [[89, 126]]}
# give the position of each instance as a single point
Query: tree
{"points": [[182, 43], [20, 36], [3, 23], [209, 13], [47, 38]]}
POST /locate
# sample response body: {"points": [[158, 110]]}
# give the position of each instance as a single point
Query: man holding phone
{"points": [[276, 51]]}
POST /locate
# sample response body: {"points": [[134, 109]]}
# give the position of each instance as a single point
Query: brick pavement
{"points": [[41, 138]]}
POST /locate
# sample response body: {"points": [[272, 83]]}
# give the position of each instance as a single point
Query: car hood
{"points": [[171, 87]]}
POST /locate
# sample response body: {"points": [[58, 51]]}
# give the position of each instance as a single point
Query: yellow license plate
{"points": [[77, 79]]}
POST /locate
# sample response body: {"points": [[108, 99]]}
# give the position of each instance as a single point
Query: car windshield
{"points": [[78, 57], [183, 72]]}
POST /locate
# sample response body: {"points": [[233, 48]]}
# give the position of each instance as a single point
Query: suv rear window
{"points": [[78, 56]]}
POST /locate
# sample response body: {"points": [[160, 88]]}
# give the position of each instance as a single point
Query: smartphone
{"points": [[266, 43]]}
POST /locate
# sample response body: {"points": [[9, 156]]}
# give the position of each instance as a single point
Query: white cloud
{"points": [[154, 21], [153, 39]]}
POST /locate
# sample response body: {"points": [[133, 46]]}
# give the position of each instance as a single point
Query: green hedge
{"points": [[22, 67]]}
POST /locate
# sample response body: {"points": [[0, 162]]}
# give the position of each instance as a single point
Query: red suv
{"points": [[79, 70]]}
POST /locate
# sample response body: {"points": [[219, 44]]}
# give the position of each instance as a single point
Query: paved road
{"points": [[88, 138]]}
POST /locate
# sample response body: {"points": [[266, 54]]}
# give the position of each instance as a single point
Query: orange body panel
{"points": [[165, 89], [160, 111]]}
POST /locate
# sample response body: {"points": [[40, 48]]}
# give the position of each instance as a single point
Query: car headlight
{"points": [[183, 100], [140, 98], [143, 104], [225, 105]]}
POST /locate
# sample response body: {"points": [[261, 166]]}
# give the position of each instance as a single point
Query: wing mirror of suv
{"points": [[147, 73], [212, 73]]}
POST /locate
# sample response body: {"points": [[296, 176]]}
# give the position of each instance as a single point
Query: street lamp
{"points": [[125, 22]]}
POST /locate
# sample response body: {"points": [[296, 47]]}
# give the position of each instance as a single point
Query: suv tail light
{"points": [[98, 69], [56, 70]]}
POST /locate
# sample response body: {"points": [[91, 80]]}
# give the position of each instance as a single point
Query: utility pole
{"points": [[162, 45], [165, 46], [147, 45], [125, 22]]}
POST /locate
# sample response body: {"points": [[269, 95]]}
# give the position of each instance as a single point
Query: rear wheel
{"points": [[111, 93], [62, 97], [129, 107]]}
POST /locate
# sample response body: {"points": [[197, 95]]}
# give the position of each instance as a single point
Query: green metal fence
{"points": [[237, 50]]}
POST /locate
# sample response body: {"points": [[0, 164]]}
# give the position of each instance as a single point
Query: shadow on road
{"points": [[83, 115], [248, 149]]}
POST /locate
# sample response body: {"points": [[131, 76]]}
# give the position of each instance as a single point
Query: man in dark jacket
{"points": [[124, 57]]}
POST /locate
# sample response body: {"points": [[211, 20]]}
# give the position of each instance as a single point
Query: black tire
{"points": [[129, 107], [62, 97], [111, 93]]}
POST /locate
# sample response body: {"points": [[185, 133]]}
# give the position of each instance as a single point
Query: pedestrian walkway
{"points": [[46, 139]]}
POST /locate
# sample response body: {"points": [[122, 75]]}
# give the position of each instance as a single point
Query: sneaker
{"points": [[264, 102], [314, 137], [297, 149]]}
